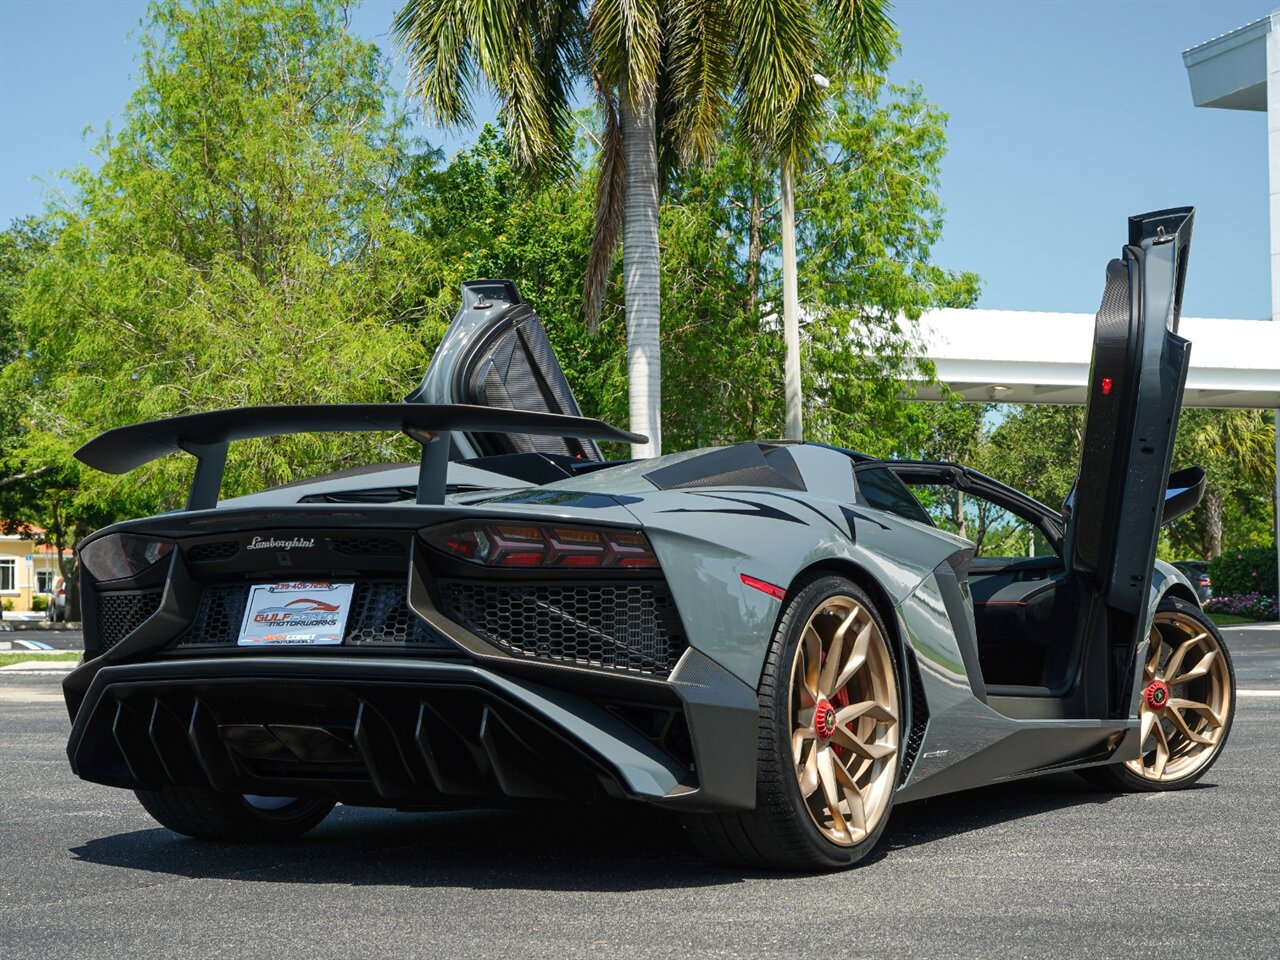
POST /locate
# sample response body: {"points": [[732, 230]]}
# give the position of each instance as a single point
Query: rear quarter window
{"points": [[879, 488]]}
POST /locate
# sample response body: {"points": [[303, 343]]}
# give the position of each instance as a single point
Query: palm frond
{"points": [[611, 194], [626, 41], [433, 37], [777, 52], [861, 35], [698, 63], [527, 52]]}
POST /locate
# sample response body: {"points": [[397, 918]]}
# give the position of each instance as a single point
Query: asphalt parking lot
{"points": [[1043, 868]]}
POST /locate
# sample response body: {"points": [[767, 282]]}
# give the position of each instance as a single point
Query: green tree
{"points": [[1236, 449], [240, 244], [1036, 449], [866, 224], [665, 74], [721, 341]]}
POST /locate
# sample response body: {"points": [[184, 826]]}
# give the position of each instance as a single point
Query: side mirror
{"points": [[1183, 494]]}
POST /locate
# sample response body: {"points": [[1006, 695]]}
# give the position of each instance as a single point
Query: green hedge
{"points": [[1238, 572]]}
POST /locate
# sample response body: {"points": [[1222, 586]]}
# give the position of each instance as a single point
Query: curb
{"points": [[29, 667], [17, 625]]}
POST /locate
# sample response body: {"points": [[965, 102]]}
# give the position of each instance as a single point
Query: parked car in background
{"points": [[1197, 571], [57, 609]]}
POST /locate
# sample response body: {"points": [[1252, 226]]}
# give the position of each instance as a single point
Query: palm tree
{"points": [[1235, 448], [665, 74]]}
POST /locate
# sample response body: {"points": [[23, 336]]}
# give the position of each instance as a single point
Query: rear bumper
{"points": [[401, 732]]}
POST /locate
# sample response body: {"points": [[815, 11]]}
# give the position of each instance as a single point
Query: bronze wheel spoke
{"points": [[1203, 709], [1199, 670], [1179, 721], [869, 751], [1162, 752], [809, 773], [830, 790], [1175, 661], [853, 797], [812, 647], [827, 682], [1153, 661], [798, 740], [857, 656], [1148, 721], [867, 708]]}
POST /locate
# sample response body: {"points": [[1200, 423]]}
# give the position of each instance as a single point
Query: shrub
{"points": [[39, 602], [1254, 606], [8, 604], [1241, 572]]}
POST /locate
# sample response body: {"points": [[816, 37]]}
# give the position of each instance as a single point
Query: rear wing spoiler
{"points": [[206, 436]]}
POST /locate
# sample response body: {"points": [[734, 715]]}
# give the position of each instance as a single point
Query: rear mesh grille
{"points": [[380, 615], [629, 627], [218, 617], [119, 614], [367, 546], [208, 552]]}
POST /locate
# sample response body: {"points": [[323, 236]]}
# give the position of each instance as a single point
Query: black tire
{"points": [[207, 815], [1117, 778], [780, 834]]}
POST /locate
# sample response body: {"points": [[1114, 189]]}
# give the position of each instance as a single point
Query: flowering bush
{"points": [[1251, 605], [1241, 572]]}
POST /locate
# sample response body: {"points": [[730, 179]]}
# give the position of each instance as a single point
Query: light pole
{"points": [[791, 297]]}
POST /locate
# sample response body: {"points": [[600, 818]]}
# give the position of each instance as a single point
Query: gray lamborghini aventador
{"points": [[777, 641]]}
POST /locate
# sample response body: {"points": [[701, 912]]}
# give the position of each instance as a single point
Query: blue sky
{"points": [[1066, 117]]}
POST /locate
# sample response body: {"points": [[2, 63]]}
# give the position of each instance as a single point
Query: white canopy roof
{"points": [[1017, 356]]}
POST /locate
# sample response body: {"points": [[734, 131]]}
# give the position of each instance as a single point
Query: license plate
{"points": [[296, 614]]}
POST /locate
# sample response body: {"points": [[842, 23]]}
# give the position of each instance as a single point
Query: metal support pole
{"points": [[1273, 165], [791, 310]]}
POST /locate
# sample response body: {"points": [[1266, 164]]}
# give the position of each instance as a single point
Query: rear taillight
{"points": [[122, 555], [495, 544], [1205, 581]]}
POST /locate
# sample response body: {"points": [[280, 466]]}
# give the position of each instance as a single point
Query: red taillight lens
{"points": [[496, 544]]}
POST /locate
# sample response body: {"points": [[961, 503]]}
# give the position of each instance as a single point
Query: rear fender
{"points": [[706, 541]]}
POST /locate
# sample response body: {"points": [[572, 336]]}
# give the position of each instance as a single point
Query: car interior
{"points": [[1025, 605]]}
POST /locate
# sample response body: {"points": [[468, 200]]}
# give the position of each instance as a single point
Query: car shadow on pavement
{"points": [[607, 848]]}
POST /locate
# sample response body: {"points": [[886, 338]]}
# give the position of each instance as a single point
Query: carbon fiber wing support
{"points": [[206, 436]]}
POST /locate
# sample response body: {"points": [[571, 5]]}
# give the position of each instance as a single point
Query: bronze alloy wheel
{"points": [[1185, 700], [844, 731]]}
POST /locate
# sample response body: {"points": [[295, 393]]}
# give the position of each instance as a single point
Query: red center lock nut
{"points": [[1156, 695], [824, 720]]}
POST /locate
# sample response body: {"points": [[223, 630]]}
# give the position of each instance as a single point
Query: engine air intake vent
{"points": [[919, 719], [631, 627], [119, 614]]}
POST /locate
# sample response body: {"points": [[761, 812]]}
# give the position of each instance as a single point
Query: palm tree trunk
{"points": [[641, 284], [1213, 518], [754, 253], [791, 311]]}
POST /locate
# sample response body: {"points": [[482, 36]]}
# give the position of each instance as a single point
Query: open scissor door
{"points": [[496, 354], [1135, 389]]}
